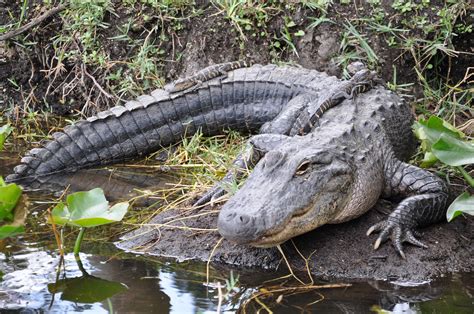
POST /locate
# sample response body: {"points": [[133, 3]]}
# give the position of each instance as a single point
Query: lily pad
{"points": [[452, 151], [7, 231], [86, 289], [464, 203], [4, 132], [88, 209], [9, 196]]}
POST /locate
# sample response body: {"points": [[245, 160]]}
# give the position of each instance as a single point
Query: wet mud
{"points": [[333, 251]]}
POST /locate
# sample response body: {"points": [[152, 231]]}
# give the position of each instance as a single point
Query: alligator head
{"points": [[300, 183]]}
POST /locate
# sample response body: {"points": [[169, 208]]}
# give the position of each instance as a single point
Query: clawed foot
{"points": [[397, 233]]}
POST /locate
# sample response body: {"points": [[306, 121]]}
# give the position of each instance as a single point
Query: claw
{"points": [[377, 227], [397, 234], [398, 246], [377, 243], [410, 238], [371, 229]]}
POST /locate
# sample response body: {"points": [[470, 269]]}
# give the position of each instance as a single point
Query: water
{"points": [[106, 279], [166, 287]]}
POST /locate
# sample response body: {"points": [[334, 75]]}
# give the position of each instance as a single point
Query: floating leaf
{"points": [[7, 231], [88, 209], [9, 196], [4, 132], [86, 289], [464, 203], [61, 214], [452, 151]]}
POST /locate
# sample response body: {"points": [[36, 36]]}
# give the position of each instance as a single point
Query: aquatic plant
{"points": [[442, 142], [9, 196], [86, 210]]}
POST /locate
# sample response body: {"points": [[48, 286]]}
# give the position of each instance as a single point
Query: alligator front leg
{"points": [[244, 161], [425, 203]]}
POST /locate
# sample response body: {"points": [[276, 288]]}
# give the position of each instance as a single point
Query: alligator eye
{"points": [[302, 168]]}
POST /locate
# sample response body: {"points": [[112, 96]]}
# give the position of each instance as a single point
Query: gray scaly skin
{"points": [[333, 174], [204, 75]]}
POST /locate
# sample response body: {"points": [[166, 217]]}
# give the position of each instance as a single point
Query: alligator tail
{"points": [[115, 135]]}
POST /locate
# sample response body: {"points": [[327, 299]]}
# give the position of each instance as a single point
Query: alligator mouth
{"points": [[286, 229]]}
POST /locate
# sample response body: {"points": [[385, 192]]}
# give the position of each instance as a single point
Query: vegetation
{"points": [[441, 141], [4, 132], [86, 210], [98, 53], [10, 194]]}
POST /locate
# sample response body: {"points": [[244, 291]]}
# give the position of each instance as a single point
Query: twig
{"points": [[288, 265], [208, 265], [34, 22], [95, 83]]}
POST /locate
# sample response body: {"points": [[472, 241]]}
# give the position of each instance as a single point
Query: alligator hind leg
{"points": [[425, 203]]}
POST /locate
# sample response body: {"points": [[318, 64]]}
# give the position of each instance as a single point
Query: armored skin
{"points": [[332, 173]]}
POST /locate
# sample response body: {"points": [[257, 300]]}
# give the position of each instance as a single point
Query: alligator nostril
{"points": [[244, 219]]}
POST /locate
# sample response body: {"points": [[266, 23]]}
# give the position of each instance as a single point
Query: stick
{"points": [[34, 22]]}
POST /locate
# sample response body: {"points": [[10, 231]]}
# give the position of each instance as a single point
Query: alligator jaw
{"points": [[285, 232]]}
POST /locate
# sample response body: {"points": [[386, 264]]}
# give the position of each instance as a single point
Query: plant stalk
{"points": [[466, 176], [77, 245]]}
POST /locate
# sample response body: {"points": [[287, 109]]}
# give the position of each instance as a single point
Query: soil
{"points": [[333, 251], [339, 250]]}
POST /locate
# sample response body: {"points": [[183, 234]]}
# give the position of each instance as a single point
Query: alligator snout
{"points": [[237, 227]]}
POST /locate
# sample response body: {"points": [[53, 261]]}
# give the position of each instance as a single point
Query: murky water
{"points": [[107, 280], [29, 278]]}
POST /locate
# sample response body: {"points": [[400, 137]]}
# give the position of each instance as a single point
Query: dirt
{"points": [[333, 251]]}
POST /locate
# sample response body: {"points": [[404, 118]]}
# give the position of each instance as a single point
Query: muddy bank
{"points": [[335, 251]]}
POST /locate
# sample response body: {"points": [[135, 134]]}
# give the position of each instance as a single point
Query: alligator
{"points": [[361, 81], [335, 173], [213, 71]]}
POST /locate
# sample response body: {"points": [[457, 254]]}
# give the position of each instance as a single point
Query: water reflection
{"points": [[86, 288], [118, 183]]}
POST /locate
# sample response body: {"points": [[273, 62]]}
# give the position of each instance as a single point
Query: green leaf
{"points": [[7, 231], [431, 130], [464, 203], [9, 196], [429, 159], [88, 209], [4, 132], [452, 151], [86, 289], [60, 214]]}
